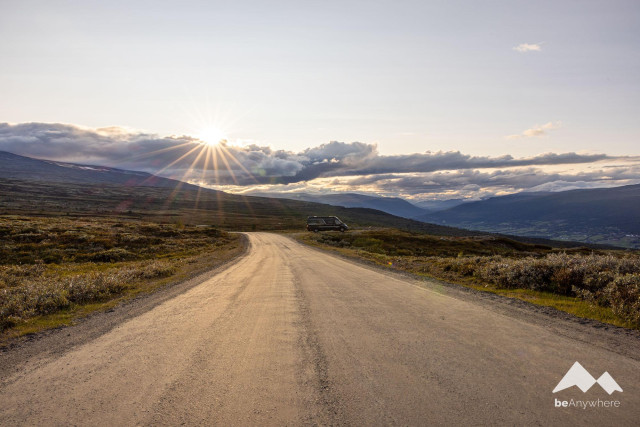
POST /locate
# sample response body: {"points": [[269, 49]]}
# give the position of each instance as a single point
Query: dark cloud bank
{"points": [[354, 165]]}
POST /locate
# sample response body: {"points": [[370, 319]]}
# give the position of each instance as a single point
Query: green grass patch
{"points": [[572, 305]]}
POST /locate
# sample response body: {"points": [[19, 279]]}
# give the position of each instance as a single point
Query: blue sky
{"points": [[407, 76]]}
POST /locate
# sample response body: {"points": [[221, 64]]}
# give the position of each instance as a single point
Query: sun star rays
{"points": [[209, 162]]}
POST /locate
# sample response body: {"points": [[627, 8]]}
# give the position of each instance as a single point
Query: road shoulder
{"points": [[53, 342], [620, 340]]}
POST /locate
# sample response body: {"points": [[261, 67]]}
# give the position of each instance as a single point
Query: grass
{"points": [[572, 305], [603, 285], [54, 270]]}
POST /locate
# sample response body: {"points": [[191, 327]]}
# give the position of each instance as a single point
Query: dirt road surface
{"points": [[289, 335]]}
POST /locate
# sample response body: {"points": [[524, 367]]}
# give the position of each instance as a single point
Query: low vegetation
{"points": [[51, 265], [205, 206], [606, 281]]}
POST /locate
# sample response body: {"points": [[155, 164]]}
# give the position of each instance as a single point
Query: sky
{"points": [[357, 85]]}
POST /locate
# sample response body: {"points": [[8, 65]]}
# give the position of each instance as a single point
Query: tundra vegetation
{"points": [[54, 269], [205, 206], [599, 284]]}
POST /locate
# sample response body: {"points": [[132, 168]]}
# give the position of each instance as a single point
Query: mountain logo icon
{"points": [[581, 378]]}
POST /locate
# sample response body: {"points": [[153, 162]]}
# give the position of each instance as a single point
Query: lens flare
{"points": [[211, 135], [206, 156]]}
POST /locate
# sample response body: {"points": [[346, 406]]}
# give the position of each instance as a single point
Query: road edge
{"points": [[614, 338], [52, 342]]}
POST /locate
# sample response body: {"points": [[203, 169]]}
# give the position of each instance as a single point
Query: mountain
{"points": [[46, 187], [392, 205], [199, 206], [599, 215], [13, 166], [439, 205]]}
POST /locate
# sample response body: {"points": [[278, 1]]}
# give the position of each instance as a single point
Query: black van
{"points": [[325, 223]]}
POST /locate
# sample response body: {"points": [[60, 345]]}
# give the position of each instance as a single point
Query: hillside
{"points": [[13, 166], [201, 206], [602, 215], [393, 205], [49, 187]]}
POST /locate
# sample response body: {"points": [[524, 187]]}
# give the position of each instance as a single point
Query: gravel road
{"points": [[289, 335]]}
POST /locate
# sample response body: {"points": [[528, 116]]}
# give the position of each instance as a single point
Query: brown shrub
{"points": [[623, 294], [36, 293], [604, 280]]}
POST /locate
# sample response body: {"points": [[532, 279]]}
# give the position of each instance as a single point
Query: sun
{"points": [[211, 135]]}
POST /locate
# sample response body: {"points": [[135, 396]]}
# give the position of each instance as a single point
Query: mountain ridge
{"points": [[14, 166], [597, 215], [392, 205]]}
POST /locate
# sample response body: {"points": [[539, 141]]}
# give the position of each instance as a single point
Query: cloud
{"points": [[354, 166], [183, 157], [466, 184], [510, 180], [528, 47], [537, 130]]}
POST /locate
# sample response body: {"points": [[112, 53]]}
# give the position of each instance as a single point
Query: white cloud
{"points": [[179, 156], [335, 166], [528, 47], [538, 130], [462, 184]]}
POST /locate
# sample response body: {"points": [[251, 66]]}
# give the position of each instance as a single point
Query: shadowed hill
{"points": [[13, 166], [393, 205], [601, 215], [199, 206], [30, 185]]}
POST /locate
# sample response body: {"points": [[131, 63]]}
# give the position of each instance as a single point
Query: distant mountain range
{"points": [[439, 205], [13, 166], [609, 216], [599, 215], [393, 205]]}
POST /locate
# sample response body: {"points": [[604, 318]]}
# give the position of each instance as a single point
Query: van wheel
{"points": [[315, 230], [342, 230]]}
